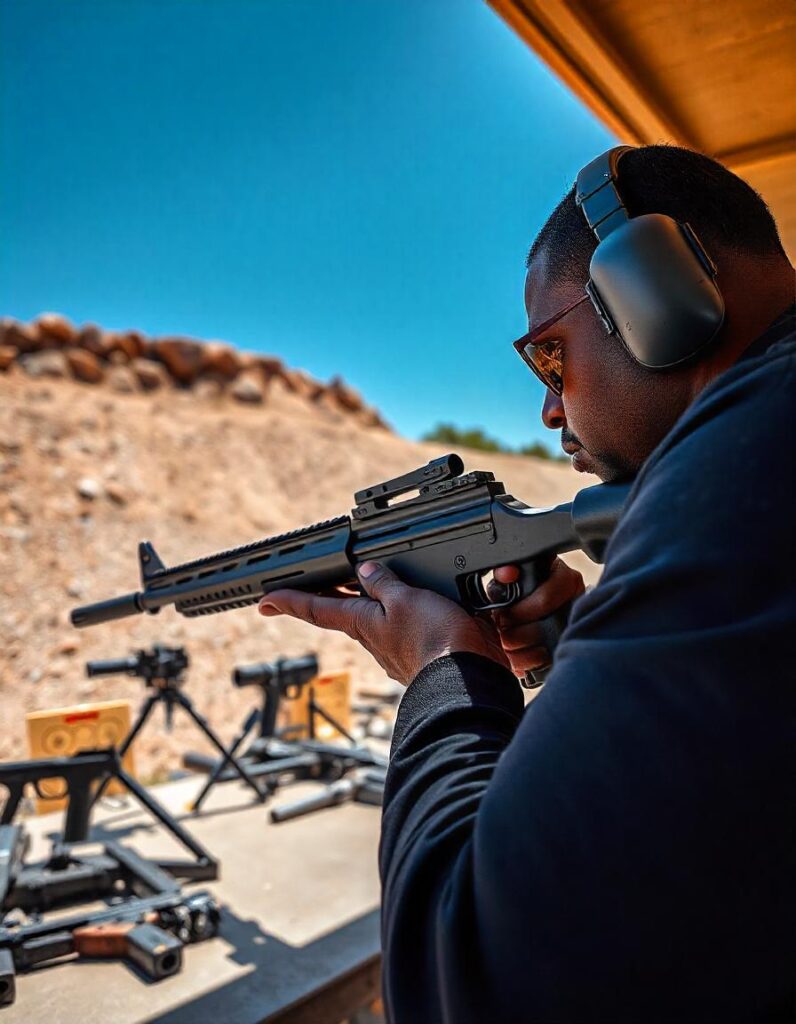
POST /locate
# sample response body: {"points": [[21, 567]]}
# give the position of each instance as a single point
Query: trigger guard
{"points": [[476, 591]]}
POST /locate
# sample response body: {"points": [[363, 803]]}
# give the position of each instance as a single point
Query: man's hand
{"points": [[403, 627], [518, 627]]}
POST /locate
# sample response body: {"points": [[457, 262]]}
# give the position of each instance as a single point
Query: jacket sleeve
{"points": [[620, 850]]}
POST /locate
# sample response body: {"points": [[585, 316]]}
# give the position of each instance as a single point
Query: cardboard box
{"points": [[332, 692], [60, 732]]}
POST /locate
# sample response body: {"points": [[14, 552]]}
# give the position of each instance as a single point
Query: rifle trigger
{"points": [[480, 600]]}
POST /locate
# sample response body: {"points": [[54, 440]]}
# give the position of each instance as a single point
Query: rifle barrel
{"points": [[106, 611]]}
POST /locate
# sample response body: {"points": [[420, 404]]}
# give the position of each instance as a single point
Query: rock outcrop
{"points": [[127, 362]]}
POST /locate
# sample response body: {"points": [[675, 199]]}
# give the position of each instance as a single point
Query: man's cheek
{"points": [[589, 417]]}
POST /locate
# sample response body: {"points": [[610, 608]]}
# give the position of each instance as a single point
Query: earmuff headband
{"points": [[597, 195]]}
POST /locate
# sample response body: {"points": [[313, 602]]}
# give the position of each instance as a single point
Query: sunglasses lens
{"points": [[545, 361]]}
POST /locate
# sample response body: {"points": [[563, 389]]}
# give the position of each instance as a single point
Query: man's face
{"points": [[612, 412]]}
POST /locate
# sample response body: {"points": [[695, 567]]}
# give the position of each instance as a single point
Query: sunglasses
{"points": [[544, 356]]}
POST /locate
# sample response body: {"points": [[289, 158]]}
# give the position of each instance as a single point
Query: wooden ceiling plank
{"points": [[586, 62], [718, 81], [766, 152]]}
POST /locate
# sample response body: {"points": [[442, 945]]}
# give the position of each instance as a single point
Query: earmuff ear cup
{"points": [[655, 283]]}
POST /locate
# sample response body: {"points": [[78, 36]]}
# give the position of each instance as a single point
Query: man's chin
{"points": [[585, 462], [582, 462]]}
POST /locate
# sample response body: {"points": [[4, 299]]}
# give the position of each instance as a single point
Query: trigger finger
{"points": [[528, 658], [517, 637]]}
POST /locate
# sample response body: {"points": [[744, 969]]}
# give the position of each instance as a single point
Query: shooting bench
{"points": [[299, 939]]}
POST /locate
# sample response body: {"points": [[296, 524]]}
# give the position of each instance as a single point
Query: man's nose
{"points": [[553, 412]]}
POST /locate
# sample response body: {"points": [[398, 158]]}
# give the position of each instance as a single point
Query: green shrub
{"points": [[474, 437]]}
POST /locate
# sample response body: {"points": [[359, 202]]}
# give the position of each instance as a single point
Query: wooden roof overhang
{"points": [[718, 76]]}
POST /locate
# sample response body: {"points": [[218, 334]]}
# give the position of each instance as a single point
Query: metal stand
{"points": [[266, 718], [168, 693], [281, 760]]}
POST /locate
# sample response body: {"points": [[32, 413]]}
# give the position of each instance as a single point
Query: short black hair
{"points": [[725, 212]]}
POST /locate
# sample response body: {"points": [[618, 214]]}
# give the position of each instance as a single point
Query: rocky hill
{"points": [[89, 469], [127, 362]]}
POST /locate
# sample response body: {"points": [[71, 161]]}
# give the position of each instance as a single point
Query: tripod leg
{"points": [[203, 725], [163, 816], [127, 742], [213, 777], [318, 709]]}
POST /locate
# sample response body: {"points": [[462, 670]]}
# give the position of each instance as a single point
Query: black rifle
{"points": [[139, 890], [285, 677], [447, 538], [279, 759]]}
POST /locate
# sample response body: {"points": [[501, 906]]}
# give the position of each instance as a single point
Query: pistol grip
{"points": [[552, 627]]}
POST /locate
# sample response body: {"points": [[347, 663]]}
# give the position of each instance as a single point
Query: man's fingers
{"points": [[342, 614], [516, 638], [379, 582], [562, 586], [527, 659], [506, 574]]}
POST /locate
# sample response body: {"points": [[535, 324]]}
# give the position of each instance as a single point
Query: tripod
{"points": [[270, 758], [162, 669], [282, 678]]}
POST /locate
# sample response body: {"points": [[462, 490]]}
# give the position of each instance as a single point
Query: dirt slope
{"points": [[86, 473]]}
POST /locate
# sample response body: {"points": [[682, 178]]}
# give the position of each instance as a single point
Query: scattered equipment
{"points": [[363, 785], [137, 891], [280, 759]]}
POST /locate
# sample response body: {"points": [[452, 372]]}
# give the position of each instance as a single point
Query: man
{"points": [[622, 850]]}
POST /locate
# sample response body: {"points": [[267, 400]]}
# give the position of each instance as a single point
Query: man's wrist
{"points": [[450, 649], [460, 678]]}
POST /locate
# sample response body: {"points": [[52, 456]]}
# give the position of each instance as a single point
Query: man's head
{"points": [[612, 411]]}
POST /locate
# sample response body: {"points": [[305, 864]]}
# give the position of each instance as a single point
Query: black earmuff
{"points": [[650, 280]]}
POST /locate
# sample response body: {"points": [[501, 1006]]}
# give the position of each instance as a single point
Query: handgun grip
{"points": [[78, 813], [552, 627]]}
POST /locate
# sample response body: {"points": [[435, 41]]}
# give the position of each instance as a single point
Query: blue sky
{"points": [[351, 184]]}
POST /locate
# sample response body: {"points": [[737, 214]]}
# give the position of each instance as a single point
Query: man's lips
{"points": [[578, 454]]}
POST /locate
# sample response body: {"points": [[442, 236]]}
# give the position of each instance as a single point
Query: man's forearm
{"points": [[455, 721]]}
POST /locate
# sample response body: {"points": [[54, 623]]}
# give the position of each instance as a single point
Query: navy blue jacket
{"points": [[623, 849]]}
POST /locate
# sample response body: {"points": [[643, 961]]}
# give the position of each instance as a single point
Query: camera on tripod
{"points": [[160, 665], [162, 670], [287, 675]]}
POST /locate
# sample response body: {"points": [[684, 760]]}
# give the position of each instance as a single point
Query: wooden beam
{"points": [[575, 50], [766, 152]]}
